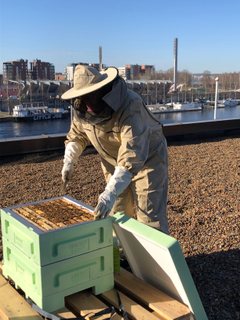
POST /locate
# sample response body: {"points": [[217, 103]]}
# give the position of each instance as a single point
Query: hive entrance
{"points": [[54, 214]]}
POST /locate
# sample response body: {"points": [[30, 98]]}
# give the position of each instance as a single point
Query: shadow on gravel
{"points": [[217, 278]]}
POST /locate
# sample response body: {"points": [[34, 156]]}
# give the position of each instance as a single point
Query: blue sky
{"points": [[130, 32]]}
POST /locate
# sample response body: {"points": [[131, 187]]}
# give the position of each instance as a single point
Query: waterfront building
{"points": [[41, 70], [139, 71], [15, 70], [122, 72], [69, 70], [60, 76]]}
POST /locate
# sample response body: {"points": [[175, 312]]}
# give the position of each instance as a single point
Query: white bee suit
{"points": [[132, 139]]}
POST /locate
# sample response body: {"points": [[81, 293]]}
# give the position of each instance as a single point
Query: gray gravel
{"points": [[203, 207]]}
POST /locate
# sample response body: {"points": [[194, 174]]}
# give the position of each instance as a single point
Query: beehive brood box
{"points": [[50, 259]]}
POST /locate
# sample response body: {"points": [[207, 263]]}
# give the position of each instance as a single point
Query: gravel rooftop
{"points": [[203, 207]]}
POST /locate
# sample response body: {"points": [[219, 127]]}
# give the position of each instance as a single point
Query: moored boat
{"points": [[28, 113], [230, 103], [187, 106], [158, 108]]}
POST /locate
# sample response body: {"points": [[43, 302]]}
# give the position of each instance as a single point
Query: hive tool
{"points": [[63, 187]]}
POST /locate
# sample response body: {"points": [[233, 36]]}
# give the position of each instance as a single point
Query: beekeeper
{"points": [[129, 140]]}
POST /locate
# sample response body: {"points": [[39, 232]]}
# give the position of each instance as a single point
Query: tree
{"points": [[160, 75], [184, 77], [207, 80], [169, 74]]}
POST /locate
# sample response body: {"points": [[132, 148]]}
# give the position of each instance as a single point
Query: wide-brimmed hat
{"points": [[88, 79]]}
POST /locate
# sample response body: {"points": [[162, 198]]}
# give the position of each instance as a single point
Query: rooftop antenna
{"points": [[175, 62], [100, 58]]}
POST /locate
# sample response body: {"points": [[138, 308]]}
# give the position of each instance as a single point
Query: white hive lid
{"points": [[158, 259]]}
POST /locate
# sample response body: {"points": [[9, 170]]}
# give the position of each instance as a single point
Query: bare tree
{"points": [[206, 79], [169, 74], [184, 77], [235, 79]]}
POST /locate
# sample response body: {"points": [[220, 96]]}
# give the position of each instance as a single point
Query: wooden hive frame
{"points": [[41, 214]]}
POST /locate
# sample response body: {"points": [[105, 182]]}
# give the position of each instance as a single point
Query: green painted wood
{"points": [[58, 244], [48, 285]]}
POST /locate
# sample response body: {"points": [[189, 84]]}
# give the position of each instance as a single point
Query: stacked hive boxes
{"points": [[50, 265]]}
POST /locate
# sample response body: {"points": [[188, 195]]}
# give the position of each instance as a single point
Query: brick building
{"points": [[41, 70], [60, 76], [147, 70], [135, 71], [15, 70]]}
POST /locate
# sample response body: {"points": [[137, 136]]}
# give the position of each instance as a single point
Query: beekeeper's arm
{"points": [[132, 154], [75, 144]]}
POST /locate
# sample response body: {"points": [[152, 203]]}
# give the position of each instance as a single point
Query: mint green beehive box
{"points": [[45, 247], [49, 265]]}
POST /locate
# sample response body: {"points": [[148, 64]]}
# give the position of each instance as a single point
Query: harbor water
{"points": [[62, 126]]}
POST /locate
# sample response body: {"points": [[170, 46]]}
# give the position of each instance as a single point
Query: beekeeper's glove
{"points": [[116, 185], [72, 151]]}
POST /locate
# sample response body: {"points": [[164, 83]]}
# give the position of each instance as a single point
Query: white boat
{"points": [[27, 113], [187, 106], [229, 103], [158, 108]]}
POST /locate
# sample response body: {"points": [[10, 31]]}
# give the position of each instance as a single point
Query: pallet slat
{"points": [[158, 301], [14, 306], [134, 310], [86, 304], [64, 313]]}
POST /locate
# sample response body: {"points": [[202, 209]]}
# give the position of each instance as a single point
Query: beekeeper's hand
{"points": [[105, 203], [116, 185], [72, 152], [67, 172]]}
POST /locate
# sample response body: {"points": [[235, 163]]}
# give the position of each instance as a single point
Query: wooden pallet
{"points": [[140, 300]]}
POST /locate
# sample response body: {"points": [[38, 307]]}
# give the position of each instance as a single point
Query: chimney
{"points": [[100, 58], [175, 63]]}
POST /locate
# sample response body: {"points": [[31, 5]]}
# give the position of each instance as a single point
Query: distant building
{"points": [[15, 70], [60, 76], [136, 71], [41, 70], [8, 91], [52, 71], [132, 71], [147, 70], [1, 79], [69, 70], [122, 72], [97, 66]]}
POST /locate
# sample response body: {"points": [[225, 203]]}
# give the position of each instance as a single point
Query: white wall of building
{"points": [[69, 72]]}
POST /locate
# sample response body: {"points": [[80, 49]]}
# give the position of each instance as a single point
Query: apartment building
{"points": [[41, 70], [69, 70], [15, 70], [137, 71], [59, 76], [122, 72]]}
